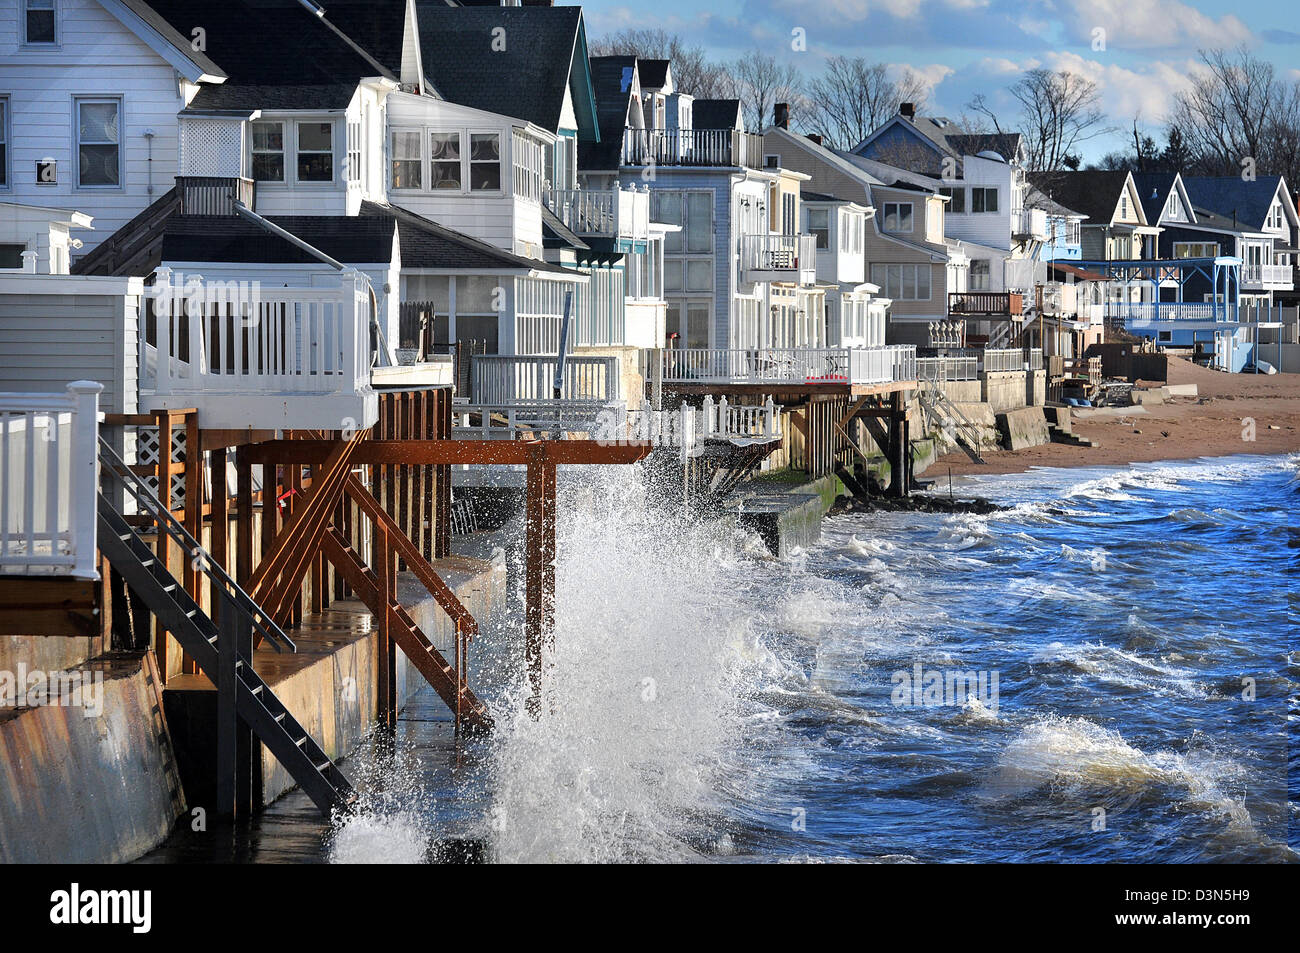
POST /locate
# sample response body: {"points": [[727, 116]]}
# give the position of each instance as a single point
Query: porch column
{"points": [[451, 309]]}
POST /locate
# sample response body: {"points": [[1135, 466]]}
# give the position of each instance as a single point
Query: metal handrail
{"points": [[233, 595]]}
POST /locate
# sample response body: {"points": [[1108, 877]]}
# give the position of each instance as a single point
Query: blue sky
{"points": [[1139, 51]]}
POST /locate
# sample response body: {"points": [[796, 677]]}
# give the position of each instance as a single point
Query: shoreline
{"points": [[1233, 414]]}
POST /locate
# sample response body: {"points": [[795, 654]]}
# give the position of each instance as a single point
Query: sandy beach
{"points": [[1217, 422]]}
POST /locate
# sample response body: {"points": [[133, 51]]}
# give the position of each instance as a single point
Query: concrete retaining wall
{"points": [[1004, 390], [1026, 427], [95, 790]]}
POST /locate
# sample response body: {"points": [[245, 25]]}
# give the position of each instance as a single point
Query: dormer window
{"points": [[315, 152], [898, 216], [39, 23]]}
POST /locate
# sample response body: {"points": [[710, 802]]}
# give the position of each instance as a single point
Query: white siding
{"points": [[66, 334], [97, 55], [500, 219]]}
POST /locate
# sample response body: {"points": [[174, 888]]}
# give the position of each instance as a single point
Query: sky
{"points": [[1140, 52]]}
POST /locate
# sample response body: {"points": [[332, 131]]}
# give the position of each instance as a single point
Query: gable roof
{"points": [[611, 78], [654, 73], [426, 244], [1153, 190], [160, 36], [716, 114], [1093, 192], [545, 54], [277, 54], [948, 138], [1232, 199]]}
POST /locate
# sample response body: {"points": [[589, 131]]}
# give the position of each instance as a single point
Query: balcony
{"points": [[502, 380], [247, 357], [1139, 313], [791, 258], [1266, 277], [994, 303], [602, 213], [796, 365], [1029, 224], [723, 148]]}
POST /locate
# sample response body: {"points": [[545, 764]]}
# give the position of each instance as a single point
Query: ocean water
{"points": [[1104, 672], [1126, 644]]}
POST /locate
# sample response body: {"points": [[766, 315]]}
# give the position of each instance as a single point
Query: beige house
{"points": [[907, 256]]}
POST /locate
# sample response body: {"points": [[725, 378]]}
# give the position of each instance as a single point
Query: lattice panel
{"points": [[147, 456], [211, 147]]}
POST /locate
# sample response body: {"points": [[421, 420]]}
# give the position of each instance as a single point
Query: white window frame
{"points": [[298, 151], [982, 191], [25, 7], [880, 276], [824, 231], [898, 211], [354, 150], [5, 140], [25, 247], [420, 135], [468, 162], [77, 102], [282, 152]]}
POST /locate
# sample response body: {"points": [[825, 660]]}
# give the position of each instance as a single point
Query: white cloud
{"points": [[1151, 24]]}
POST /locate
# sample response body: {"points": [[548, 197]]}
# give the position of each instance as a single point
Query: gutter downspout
{"points": [[243, 211]]}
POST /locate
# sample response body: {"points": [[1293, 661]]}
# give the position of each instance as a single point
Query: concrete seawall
{"points": [[109, 789]]}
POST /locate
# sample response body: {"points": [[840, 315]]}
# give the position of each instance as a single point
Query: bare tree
{"points": [[1058, 113], [762, 81], [1238, 109], [853, 97], [692, 70]]}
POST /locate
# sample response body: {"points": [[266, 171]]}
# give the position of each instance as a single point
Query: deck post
{"points": [[227, 652], [539, 562]]}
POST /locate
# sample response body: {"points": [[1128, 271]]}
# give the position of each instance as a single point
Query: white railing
{"points": [[692, 147], [503, 379], [1031, 222], [1148, 311], [610, 213], [510, 421], [1266, 275], [727, 421], [48, 460], [804, 365], [998, 359], [228, 338], [940, 370], [778, 253]]}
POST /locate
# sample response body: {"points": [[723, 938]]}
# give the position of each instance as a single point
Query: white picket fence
{"points": [[48, 471]]}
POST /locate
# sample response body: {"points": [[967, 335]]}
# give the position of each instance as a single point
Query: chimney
{"points": [[907, 110], [781, 115], [813, 137]]}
